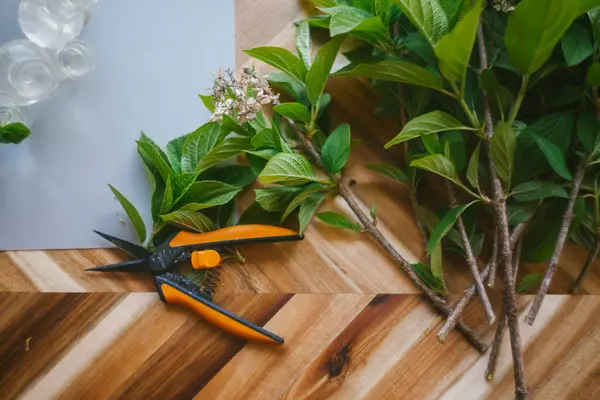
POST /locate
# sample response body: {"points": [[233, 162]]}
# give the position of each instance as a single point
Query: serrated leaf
{"points": [[554, 155], [294, 111], [338, 220], [336, 149], [181, 184], [438, 164], [174, 152], [317, 75], [535, 27], [265, 154], [236, 175], [288, 169], [389, 171], [503, 145], [153, 156], [167, 198], [307, 210], [208, 101], [427, 16], [426, 124], [300, 198], [529, 282], [302, 42], [132, 213], [267, 139], [592, 76], [281, 59], [13, 133], [199, 143], [417, 44], [537, 190], [207, 194], [190, 220], [473, 168], [359, 22], [395, 71], [454, 49], [276, 198], [228, 148], [288, 84], [576, 45], [446, 223]]}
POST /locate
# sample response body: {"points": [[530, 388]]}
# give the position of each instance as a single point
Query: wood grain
{"points": [[338, 346], [328, 261]]}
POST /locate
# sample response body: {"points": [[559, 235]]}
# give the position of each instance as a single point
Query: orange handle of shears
{"points": [[241, 233], [219, 317]]}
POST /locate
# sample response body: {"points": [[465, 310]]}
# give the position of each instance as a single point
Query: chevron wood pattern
{"points": [[338, 346]]}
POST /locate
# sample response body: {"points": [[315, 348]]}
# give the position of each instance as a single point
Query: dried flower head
{"points": [[505, 6], [242, 97]]}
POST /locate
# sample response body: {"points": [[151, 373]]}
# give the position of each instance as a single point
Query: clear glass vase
{"points": [[53, 23], [29, 73], [11, 115]]}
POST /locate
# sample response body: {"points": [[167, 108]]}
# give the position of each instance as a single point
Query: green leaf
{"points": [[473, 168], [502, 96], [446, 223], [440, 165], [181, 184], [267, 139], [554, 155], [288, 84], [199, 143], [228, 148], [208, 101], [593, 75], [302, 42], [317, 75], [594, 15], [373, 211], [587, 130], [281, 59], [427, 16], [395, 71], [308, 209], [294, 111], [132, 213], [13, 133], [432, 144], [417, 44], [236, 175], [338, 220], [426, 124], [576, 45], [153, 156], [454, 49], [167, 199], [276, 198], [529, 282], [255, 214], [436, 263], [288, 169], [300, 198], [518, 213], [190, 220], [336, 150], [535, 27], [359, 22], [206, 194], [175, 151], [540, 238], [389, 171], [537, 190], [427, 277], [503, 145]]}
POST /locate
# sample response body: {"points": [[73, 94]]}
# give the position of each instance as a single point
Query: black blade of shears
{"points": [[138, 266], [132, 249]]}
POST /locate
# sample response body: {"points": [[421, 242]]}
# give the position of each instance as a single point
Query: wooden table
{"points": [[343, 338]]}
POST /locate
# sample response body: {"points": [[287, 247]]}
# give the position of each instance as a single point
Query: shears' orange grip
{"points": [[205, 259], [226, 323], [230, 233]]}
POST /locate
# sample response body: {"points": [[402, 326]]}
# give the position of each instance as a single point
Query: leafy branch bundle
{"points": [[498, 99]]}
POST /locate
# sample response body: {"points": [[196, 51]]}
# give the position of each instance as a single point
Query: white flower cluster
{"points": [[505, 6], [241, 98]]}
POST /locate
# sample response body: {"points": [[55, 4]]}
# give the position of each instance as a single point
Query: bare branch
{"points": [[560, 242], [491, 279]]}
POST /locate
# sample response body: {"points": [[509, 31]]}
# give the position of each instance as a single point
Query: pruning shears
{"points": [[202, 249]]}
